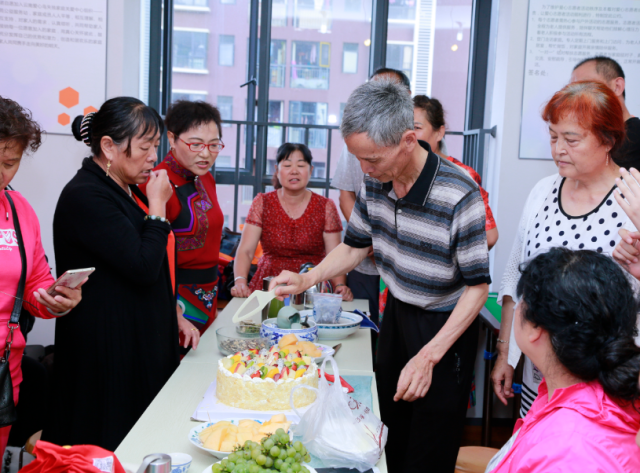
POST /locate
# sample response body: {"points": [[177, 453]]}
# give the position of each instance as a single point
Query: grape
{"points": [[280, 432], [240, 461], [246, 455], [283, 454], [303, 451], [295, 467], [274, 452], [291, 452], [254, 469], [261, 459], [284, 438], [298, 446], [289, 460], [216, 468], [255, 453], [304, 469], [269, 462], [268, 444], [230, 466], [298, 457], [232, 457], [278, 464], [307, 458]]}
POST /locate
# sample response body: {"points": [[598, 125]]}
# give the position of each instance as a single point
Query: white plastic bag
{"points": [[339, 430]]}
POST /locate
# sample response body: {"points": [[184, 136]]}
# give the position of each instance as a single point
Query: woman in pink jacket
{"points": [[576, 320], [19, 133]]}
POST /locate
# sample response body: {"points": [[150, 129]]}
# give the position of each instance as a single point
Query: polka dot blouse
{"points": [[597, 230]]}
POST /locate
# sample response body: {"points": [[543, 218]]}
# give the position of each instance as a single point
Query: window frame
{"points": [[192, 70], [357, 51], [233, 49], [161, 68]]}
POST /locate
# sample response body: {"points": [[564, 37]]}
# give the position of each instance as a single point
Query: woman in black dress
{"points": [[114, 353]]}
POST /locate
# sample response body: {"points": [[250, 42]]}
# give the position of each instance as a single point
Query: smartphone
{"points": [[70, 279]]}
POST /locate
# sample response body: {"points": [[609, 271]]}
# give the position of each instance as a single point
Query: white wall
{"points": [[511, 179], [42, 176]]}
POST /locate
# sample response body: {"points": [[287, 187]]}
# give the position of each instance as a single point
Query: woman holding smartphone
{"points": [[114, 353], [19, 134]]}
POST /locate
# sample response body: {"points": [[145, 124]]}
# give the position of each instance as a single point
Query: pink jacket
{"points": [[38, 273], [580, 430]]}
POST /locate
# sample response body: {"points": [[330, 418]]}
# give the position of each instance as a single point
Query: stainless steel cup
{"points": [[156, 463]]}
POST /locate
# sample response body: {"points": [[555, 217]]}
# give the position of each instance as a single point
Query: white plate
{"points": [[208, 469], [326, 351], [195, 439]]}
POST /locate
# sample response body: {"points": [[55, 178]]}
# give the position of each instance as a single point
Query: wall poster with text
{"points": [[561, 33], [54, 58]]}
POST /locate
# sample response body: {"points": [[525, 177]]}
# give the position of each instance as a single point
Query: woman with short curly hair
{"points": [[19, 134]]}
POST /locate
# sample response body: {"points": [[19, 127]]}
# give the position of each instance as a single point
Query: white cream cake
{"points": [[263, 380]]}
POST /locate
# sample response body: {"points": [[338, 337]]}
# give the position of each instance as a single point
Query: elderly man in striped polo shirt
{"points": [[425, 219]]}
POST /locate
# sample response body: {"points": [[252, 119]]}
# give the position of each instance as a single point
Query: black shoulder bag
{"points": [[8, 413]]}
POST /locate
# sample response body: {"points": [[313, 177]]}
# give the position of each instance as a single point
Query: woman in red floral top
{"points": [[294, 225]]}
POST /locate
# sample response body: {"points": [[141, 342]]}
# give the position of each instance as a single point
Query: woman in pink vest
{"points": [[576, 321], [20, 134]]}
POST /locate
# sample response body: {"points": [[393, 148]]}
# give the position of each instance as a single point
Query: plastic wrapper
{"points": [[327, 308], [340, 431]]}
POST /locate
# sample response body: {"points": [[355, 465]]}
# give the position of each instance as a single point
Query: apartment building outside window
{"points": [[310, 63], [190, 49], [226, 50], [350, 58]]}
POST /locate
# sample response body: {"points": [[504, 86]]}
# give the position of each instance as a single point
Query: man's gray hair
{"points": [[382, 109]]}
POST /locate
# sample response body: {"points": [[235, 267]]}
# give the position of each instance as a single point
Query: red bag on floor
{"points": [[52, 458]]}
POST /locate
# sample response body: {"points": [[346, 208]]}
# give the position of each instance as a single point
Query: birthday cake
{"points": [[262, 380]]}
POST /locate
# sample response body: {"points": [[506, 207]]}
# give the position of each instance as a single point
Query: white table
{"points": [[165, 425]]}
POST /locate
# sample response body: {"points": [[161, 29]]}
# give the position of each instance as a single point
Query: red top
{"points": [[491, 223], [198, 229], [289, 243]]}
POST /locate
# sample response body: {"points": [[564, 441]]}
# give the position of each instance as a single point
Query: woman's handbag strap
{"points": [[17, 306]]}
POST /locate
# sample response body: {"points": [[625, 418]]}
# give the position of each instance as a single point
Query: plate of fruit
{"points": [[223, 437], [271, 454], [289, 344]]}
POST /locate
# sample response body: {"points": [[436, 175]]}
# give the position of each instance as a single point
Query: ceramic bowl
{"points": [[231, 342], [271, 332], [348, 324], [180, 462]]}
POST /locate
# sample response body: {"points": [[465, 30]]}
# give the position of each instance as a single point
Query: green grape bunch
{"points": [[275, 453]]}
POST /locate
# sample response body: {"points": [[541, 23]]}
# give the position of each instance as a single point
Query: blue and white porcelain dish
{"points": [[348, 324], [180, 462], [273, 333]]}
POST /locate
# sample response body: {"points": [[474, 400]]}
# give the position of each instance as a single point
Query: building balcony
{"points": [[277, 73], [317, 138], [309, 77]]}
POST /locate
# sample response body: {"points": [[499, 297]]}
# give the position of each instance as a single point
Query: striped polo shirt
{"points": [[431, 243]]}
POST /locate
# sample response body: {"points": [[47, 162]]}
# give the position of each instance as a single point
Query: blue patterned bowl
{"points": [[271, 332], [180, 462], [348, 324]]}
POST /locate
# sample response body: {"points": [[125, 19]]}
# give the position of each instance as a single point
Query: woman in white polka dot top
{"points": [[574, 208]]}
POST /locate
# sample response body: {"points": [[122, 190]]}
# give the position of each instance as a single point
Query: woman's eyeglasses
{"points": [[197, 147]]}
